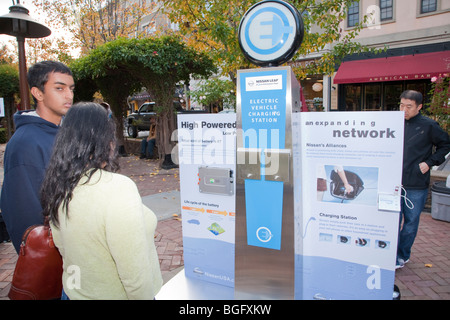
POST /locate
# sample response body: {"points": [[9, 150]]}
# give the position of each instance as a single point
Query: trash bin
{"points": [[440, 201]]}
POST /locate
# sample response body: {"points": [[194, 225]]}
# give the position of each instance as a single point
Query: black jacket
{"points": [[421, 135]]}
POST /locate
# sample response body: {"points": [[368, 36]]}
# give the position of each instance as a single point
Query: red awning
{"points": [[412, 67]]}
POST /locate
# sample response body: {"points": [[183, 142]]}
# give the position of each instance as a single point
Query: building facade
{"points": [[416, 35], [415, 38]]}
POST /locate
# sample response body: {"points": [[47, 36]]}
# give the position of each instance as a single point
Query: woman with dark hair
{"points": [[103, 231]]}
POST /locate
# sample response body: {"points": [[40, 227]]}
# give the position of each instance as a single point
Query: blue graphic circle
{"points": [[281, 42], [286, 35]]}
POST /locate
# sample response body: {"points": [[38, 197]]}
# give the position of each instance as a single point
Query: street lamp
{"points": [[19, 24]]}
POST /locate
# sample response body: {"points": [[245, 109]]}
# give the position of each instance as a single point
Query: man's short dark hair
{"points": [[412, 95], [38, 73]]}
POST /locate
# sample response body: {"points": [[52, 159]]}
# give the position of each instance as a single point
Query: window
{"points": [[392, 92], [372, 97], [379, 96], [313, 92], [147, 107], [353, 14], [352, 95], [428, 6], [386, 9], [421, 86]]}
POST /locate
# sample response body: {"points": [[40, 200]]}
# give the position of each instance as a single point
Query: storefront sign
{"points": [[400, 77], [394, 68], [302, 63]]}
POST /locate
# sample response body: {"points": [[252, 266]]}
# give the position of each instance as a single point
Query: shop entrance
{"points": [[381, 96]]}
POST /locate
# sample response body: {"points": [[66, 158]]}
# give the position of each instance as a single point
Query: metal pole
{"points": [[24, 91]]}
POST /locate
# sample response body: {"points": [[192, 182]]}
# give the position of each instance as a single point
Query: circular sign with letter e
{"points": [[270, 33]]}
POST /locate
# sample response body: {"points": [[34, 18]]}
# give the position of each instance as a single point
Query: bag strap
{"points": [[46, 221]]}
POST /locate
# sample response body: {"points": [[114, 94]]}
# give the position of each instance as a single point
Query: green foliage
{"points": [[439, 106], [214, 26], [160, 63], [120, 67], [98, 72], [9, 80], [3, 135], [215, 91]]}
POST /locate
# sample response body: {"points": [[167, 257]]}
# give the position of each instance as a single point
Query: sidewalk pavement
{"points": [[426, 276]]}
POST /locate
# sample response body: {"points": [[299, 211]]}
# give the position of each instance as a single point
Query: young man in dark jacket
{"points": [[421, 135], [28, 151]]}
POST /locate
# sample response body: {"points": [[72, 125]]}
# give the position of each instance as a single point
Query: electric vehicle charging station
{"points": [[269, 34], [264, 248], [294, 239]]}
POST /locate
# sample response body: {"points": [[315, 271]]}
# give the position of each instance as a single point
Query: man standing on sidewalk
{"points": [[28, 151], [421, 135]]}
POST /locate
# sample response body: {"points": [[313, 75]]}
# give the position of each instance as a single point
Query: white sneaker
{"points": [[401, 263]]}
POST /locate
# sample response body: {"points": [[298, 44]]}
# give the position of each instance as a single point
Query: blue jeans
{"points": [[411, 217], [147, 147], [64, 296]]}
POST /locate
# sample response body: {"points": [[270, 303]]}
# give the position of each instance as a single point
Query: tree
{"points": [[95, 22], [159, 64], [219, 92], [213, 26], [6, 57], [96, 72], [38, 49], [439, 106], [9, 80], [48, 49], [9, 86]]}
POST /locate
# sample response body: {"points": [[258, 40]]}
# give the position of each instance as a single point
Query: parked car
{"points": [[140, 120]]}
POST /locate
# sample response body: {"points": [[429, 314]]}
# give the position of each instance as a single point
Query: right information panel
{"points": [[349, 193]]}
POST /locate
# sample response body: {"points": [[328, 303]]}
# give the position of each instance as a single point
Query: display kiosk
{"points": [[269, 34], [264, 249], [309, 206]]}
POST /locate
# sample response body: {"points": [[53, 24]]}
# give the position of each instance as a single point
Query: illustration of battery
{"points": [[214, 180]]}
